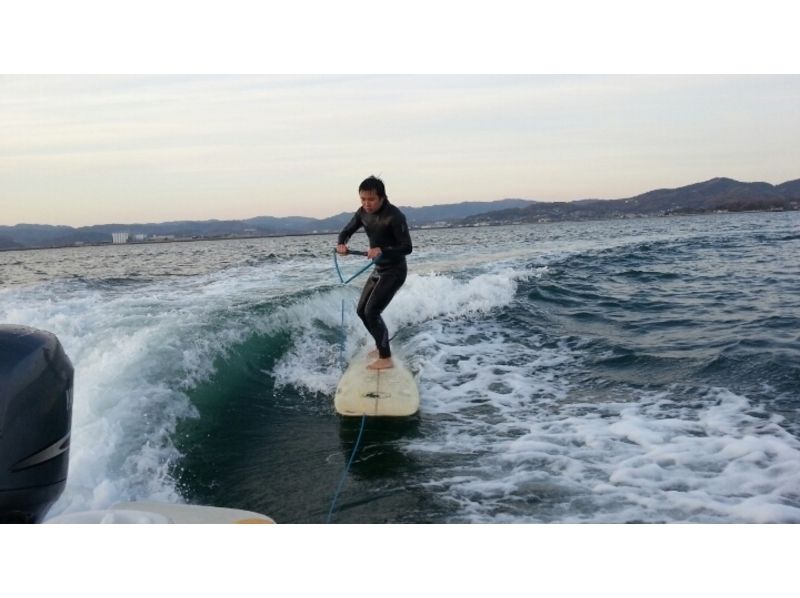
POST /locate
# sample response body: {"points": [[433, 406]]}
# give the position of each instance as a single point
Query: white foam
{"points": [[718, 460], [137, 350], [315, 363]]}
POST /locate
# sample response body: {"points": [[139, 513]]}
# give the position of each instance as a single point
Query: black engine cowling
{"points": [[36, 379]]}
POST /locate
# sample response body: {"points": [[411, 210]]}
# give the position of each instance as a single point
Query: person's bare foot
{"points": [[381, 364], [373, 354]]}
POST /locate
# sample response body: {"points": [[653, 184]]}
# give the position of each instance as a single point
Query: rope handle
{"points": [[364, 269]]}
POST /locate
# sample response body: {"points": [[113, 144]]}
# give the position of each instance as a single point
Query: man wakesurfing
{"points": [[389, 244]]}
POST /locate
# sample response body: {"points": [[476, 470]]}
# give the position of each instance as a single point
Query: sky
{"points": [[82, 149], [85, 149]]}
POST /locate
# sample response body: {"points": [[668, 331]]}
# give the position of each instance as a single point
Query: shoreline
{"points": [[162, 242], [414, 228]]}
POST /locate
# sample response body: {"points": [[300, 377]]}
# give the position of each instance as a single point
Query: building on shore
{"points": [[121, 237]]}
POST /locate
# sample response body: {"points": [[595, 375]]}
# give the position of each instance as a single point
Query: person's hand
{"points": [[374, 252], [341, 249]]}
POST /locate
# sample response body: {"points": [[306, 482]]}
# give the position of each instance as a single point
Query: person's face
{"points": [[370, 201]]}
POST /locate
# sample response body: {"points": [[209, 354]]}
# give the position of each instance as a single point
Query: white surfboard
{"points": [[390, 393]]}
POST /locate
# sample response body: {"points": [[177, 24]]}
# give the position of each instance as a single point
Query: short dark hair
{"points": [[373, 183]]}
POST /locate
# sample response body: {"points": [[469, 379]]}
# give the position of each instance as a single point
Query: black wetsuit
{"points": [[388, 230]]}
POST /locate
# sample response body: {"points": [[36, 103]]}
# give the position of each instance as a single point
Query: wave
{"points": [[143, 354], [137, 351]]}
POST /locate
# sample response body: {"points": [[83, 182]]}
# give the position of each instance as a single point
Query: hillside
{"points": [[37, 235], [714, 195]]}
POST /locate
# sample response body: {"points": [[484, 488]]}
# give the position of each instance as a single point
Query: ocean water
{"points": [[619, 371]]}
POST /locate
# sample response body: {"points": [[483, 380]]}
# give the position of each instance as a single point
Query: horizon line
{"points": [[400, 206]]}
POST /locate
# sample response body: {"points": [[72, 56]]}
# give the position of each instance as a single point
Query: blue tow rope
{"points": [[341, 354], [347, 469]]}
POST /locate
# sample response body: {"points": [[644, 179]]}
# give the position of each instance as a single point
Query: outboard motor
{"points": [[36, 379]]}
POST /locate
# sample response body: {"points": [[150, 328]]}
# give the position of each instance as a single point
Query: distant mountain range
{"points": [[23, 236], [715, 195]]}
